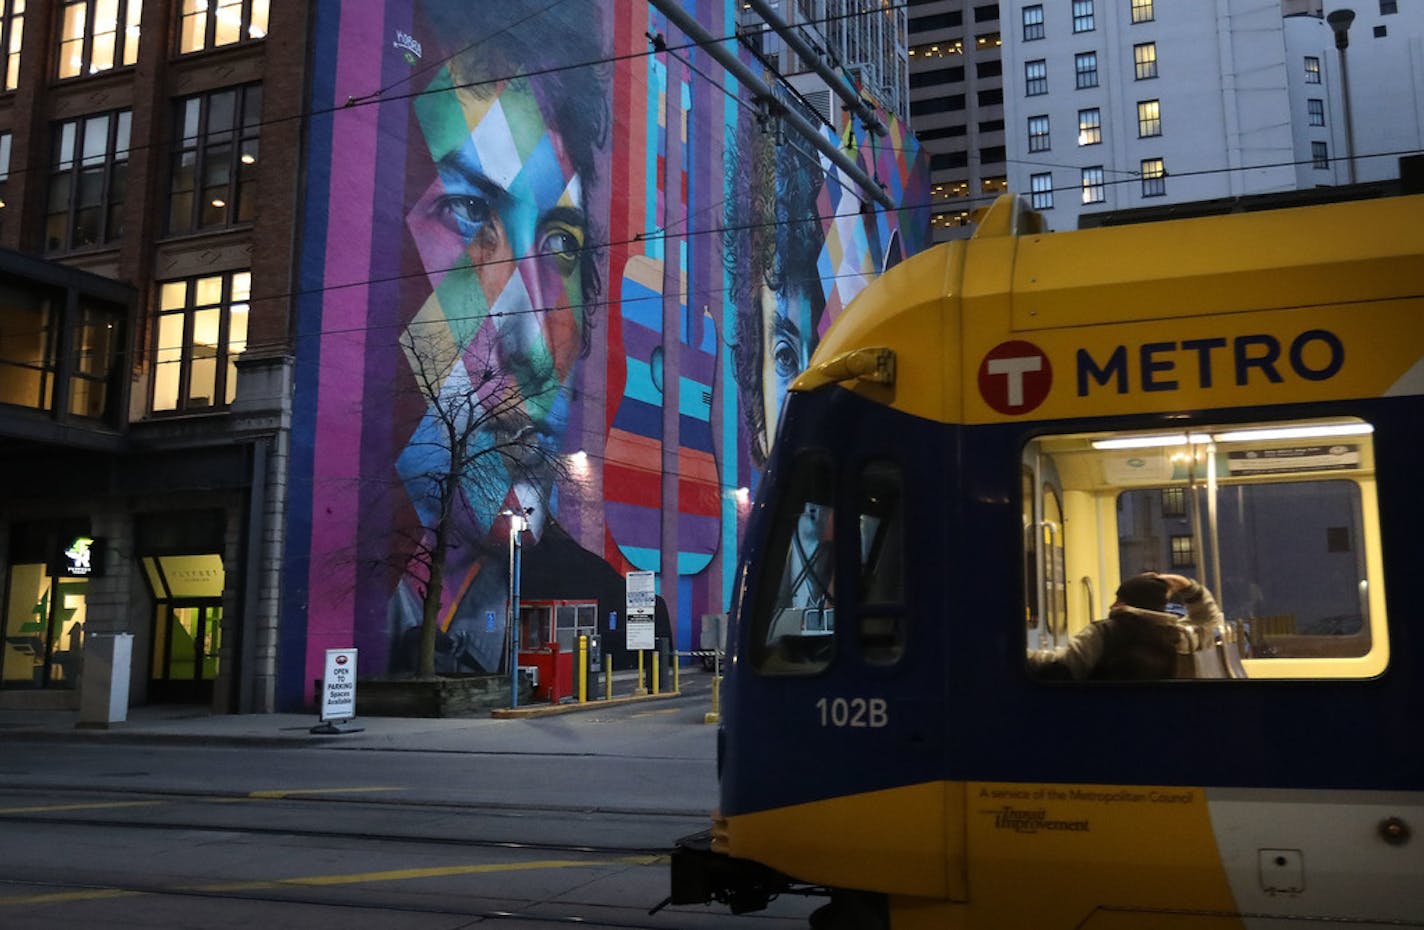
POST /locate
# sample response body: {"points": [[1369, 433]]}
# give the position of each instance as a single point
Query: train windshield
{"points": [[1276, 522], [795, 616]]}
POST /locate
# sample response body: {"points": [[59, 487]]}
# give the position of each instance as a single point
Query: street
{"points": [[524, 823]]}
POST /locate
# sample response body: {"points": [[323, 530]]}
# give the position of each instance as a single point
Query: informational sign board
{"points": [[639, 631], [641, 594], [338, 686], [1295, 459]]}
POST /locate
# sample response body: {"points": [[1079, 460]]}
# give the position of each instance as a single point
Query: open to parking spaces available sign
{"points": [[338, 685]]}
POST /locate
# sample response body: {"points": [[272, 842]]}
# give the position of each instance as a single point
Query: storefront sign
{"points": [[80, 557], [338, 686]]}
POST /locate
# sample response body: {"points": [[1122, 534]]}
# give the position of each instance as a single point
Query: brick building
{"points": [[150, 154]]}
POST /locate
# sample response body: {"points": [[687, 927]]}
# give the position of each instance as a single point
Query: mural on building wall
{"points": [[593, 259]]}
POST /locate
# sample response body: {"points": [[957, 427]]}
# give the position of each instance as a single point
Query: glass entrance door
{"points": [[186, 642]]}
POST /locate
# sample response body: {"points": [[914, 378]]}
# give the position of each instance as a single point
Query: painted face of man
{"points": [[500, 233], [786, 347]]}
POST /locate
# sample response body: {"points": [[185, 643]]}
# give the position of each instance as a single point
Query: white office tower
{"points": [[1116, 104]]}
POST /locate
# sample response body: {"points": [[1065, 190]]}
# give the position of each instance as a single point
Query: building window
{"points": [[1149, 118], [937, 105], [5, 141], [1184, 553], [944, 161], [95, 36], [991, 97], [1316, 109], [1093, 190], [1174, 503], [994, 184], [98, 347], [1090, 126], [987, 41], [942, 132], [1144, 57], [951, 20], [1032, 22], [1035, 78], [1142, 11], [1082, 15], [936, 76], [1389, 7], [1038, 134], [1312, 70], [988, 13], [992, 155], [937, 50], [1041, 191], [12, 28], [88, 175], [1154, 177], [215, 23], [202, 329], [1085, 65], [214, 174], [1319, 156]]}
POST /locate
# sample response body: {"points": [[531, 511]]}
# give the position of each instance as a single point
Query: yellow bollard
{"points": [[608, 678], [640, 690], [657, 661], [716, 715], [583, 669], [676, 680]]}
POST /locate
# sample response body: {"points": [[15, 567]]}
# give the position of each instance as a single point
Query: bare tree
{"points": [[483, 446]]}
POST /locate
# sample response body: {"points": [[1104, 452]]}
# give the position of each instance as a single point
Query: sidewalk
{"points": [[192, 725]]}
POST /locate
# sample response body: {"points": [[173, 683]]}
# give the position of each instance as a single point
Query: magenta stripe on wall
{"points": [[335, 510]]}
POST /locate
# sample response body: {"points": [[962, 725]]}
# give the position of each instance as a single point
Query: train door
{"points": [[1045, 568]]}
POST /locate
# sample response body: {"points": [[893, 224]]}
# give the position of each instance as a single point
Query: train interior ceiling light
{"points": [[1255, 434]]}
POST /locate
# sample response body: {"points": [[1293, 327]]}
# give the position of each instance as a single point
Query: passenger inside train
{"points": [[1139, 640]]}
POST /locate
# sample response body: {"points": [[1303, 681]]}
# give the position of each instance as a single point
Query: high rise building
{"points": [[1117, 104], [956, 106]]}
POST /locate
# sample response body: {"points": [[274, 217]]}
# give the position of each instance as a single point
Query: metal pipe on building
{"points": [[817, 62], [680, 18]]}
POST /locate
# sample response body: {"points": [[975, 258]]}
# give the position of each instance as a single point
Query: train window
{"points": [[1279, 521], [793, 629], [882, 564], [1291, 567]]}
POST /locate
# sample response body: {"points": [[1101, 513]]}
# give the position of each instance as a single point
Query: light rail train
{"points": [[992, 437]]}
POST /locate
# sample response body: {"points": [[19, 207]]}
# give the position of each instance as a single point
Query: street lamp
{"points": [[518, 523], [1340, 21]]}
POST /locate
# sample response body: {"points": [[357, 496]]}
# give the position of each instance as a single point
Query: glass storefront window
{"points": [[44, 629]]}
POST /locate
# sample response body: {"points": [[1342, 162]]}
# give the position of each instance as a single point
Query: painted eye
{"points": [[788, 361], [563, 243], [464, 213]]}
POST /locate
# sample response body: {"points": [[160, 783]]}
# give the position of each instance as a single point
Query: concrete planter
{"points": [[446, 696]]}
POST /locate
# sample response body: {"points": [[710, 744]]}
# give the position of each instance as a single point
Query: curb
{"points": [[549, 710]]}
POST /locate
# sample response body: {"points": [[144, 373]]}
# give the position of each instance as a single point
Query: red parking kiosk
{"points": [[548, 632], [554, 672]]}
